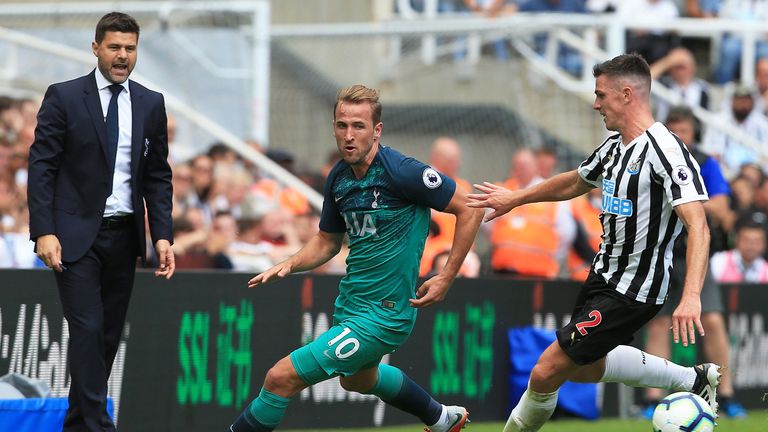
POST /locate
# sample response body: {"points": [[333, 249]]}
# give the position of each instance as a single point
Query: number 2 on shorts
{"points": [[340, 347], [597, 318]]}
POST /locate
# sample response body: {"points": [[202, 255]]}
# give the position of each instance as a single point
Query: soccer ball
{"points": [[683, 411]]}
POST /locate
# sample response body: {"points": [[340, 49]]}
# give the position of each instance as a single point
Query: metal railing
{"points": [[579, 31]]}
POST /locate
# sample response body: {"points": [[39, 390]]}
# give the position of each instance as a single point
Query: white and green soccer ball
{"points": [[683, 411]]}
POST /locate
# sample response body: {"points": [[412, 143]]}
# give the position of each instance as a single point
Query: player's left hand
{"points": [[432, 291], [165, 258], [686, 319]]}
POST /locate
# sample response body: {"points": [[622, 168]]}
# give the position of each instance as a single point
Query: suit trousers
{"points": [[95, 291]]}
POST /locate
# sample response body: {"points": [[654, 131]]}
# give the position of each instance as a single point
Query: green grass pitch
{"points": [[757, 421]]}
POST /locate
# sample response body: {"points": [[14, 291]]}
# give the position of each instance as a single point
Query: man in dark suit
{"points": [[100, 152]]}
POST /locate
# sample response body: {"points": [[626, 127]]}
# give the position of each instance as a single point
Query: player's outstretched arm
{"points": [[687, 317], [318, 250], [467, 224], [558, 188]]}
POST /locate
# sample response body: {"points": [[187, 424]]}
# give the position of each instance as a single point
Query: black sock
{"points": [[415, 400], [246, 423]]}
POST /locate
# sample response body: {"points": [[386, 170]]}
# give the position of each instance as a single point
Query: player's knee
{"points": [[355, 385], [711, 320], [542, 373], [279, 379], [348, 385]]}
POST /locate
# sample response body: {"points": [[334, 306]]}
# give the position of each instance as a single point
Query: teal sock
{"points": [[389, 383], [268, 408], [397, 389]]}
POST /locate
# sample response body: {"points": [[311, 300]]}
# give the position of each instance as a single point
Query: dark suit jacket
{"points": [[70, 179]]}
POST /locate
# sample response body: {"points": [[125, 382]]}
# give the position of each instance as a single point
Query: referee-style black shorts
{"points": [[602, 319]]}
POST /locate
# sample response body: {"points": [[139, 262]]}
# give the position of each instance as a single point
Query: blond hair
{"points": [[360, 94]]}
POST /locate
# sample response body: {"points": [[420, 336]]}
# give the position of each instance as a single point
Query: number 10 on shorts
{"points": [[343, 349]]}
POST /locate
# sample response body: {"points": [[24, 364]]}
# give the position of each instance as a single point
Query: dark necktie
{"points": [[113, 125]]}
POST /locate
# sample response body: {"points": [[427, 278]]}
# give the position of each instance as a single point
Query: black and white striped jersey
{"points": [[642, 182]]}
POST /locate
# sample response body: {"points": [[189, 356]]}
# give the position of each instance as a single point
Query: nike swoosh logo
{"points": [[325, 353], [337, 199], [458, 419]]}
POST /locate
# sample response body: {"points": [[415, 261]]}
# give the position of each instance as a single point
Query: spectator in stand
{"points": [[270, 189], [652, 44], [589, 230], [742, 194], [701, 8], [11, 212], [752, 173], [223, 233], [732, 154], [745, 263], [567, 58], [759, 90], [220, 153], [15, 249], [278, 229], [492, 9], [677, 71], [445, 156], [24, 129], [202, 184], [531, 240], [682, 123], [759, 202], [198, 247], [6, 151], [250, 166], [249, 252], [743, 187], [231, 188], [721, 218], [731, 44], [184, 196], [189, 241], [546, 162], [19, 160]]}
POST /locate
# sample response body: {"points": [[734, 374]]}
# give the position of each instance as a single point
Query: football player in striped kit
{"points": [[651, 191]]}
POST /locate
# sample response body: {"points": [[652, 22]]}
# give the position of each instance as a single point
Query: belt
{"points": [[113, 222]]}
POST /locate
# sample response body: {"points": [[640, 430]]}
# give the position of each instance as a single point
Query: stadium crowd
{"points": [[229, 215]]}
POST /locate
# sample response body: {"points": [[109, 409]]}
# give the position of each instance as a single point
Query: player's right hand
{"points": [[495, 197], [49, 251], [277, 272]]}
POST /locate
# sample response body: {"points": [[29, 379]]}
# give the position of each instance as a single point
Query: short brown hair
{"points": [[116, 22], [625, 66], [360, 94]]}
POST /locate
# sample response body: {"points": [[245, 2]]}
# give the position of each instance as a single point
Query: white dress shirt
{"points": [[119, 203]]}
